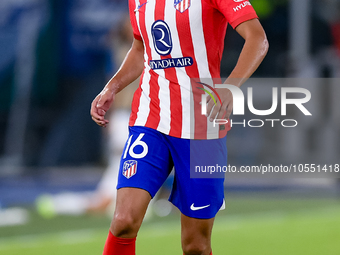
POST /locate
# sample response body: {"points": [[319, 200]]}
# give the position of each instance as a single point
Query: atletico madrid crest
{"points": [[182, 5], [129, 168]]}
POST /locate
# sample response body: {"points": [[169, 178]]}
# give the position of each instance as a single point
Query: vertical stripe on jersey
{"points": [[187, 47], [214, 51], [136, 102], [179, 91], [147, 21], [144, 103], [140, 108], [175, 100], [163, 81], [200, 50], [198, 41], [136, 96]]}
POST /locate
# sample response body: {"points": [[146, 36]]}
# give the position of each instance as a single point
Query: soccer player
{"points": [[176, 44]]}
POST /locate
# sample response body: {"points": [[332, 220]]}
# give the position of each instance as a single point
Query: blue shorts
{"points": [[149, 156]]}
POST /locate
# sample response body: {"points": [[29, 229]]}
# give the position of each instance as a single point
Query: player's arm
{"points": [[253, 52], [129, 71]]}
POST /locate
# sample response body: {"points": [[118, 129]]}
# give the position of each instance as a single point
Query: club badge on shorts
{"points": [[129, 168], [182, 5]]}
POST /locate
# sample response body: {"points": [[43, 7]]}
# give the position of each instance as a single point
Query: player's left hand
{"points": [[218, 110]]}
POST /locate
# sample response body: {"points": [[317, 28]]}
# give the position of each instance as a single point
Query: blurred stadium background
{"points": [[55, 57]]}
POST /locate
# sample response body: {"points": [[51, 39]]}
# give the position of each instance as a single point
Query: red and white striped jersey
{"points": [[183, 41]]}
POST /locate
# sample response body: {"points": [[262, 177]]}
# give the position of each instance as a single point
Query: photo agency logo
{"points": [[304, 96]]}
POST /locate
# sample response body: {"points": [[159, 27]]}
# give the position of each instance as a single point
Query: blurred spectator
{"points": [[21, 24], [86, 55], [103, 198]]}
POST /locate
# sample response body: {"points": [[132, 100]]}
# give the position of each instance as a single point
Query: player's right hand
{"points": [[100, 105]]}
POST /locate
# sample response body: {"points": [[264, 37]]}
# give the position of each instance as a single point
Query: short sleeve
{"points": [[132, 7], [235, 11]]}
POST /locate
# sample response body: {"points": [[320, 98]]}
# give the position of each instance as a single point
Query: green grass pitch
{"points": [[248, 226]]}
